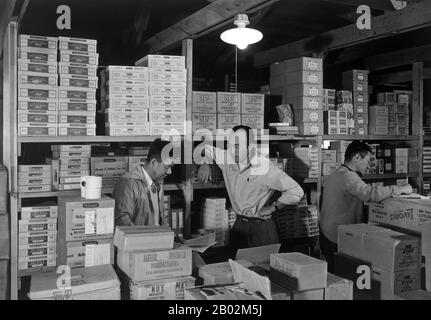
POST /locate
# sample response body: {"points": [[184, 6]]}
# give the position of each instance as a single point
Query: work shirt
{"points": [[251, 187], [344, 193], [132, 194]]}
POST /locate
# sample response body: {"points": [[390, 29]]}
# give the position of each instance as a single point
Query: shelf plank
{"points": [[270, 138], [369, 137], [87, 139]]}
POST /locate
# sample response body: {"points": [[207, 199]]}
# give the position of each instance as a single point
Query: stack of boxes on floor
{"points": [[228, 110], [357, 82], [69, 164], [110, 168], [4, 235], [85, 231], [204, 111], [393, 257], [125, 100], [304, 92], [37, 86], [78, 85], [297, 222], [167, 90], [37, 247], [215, 217], [34, 178], [154, 267]]}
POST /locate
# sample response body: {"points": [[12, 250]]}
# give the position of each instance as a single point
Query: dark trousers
{"points": [[247, 233], [328, 248]]}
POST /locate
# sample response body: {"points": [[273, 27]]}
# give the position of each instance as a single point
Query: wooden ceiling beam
{"points": [[384, 5], [397, 77], [414, 16], [213, 15]]}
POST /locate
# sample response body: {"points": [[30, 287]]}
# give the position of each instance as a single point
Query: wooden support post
{"points": [[417, 114], [187, 51]]}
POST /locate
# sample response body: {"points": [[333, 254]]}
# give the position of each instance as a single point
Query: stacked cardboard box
{"points": [[344, 100], [378, 120], [34, 178], [228, 110], [37, 86], [111, 169], [357, 82], [306, 162], [155, 268], [85, 231], [252, 110], [373, 167], [69, 164], [401, 160], [78, 85], [394, 257], [328, 99], [329, 162], [335, 121], [214, 217], [398, 111], [125, 100], [167, 91], [304, 91], [426, 162], [37, 247], [297, 222], [204, 110]]}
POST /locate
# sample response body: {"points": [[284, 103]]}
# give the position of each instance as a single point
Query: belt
{"points": [[249, 219]]}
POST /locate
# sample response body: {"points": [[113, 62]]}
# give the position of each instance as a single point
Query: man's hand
{"points": [[266, 212], [204, 173], [406, 189]]}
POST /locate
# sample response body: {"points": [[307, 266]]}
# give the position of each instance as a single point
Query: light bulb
{"points": [[242, 45]]}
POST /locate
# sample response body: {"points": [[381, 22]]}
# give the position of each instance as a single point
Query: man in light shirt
{"points": [[251, 180], [344, 193], [139, 194]]}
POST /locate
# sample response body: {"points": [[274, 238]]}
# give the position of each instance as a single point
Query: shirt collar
{"points": [[147, 177]]}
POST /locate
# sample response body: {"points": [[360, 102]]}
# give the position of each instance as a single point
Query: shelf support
{"points": [[417, 114]]}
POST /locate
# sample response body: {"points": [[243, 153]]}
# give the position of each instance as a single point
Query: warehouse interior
{"points": [[318, 81]]}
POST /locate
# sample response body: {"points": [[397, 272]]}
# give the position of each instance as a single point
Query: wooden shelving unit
{"points": [[370, 137]]}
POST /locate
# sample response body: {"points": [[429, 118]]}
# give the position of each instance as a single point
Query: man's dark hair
{"points": [[248, 130], [356, 147], [156, 149]]}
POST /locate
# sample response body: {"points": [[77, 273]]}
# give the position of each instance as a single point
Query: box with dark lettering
{"points": [[204, 121], [204, 102], [252, 103], [77, 44], [163, 289], [228, 102]]}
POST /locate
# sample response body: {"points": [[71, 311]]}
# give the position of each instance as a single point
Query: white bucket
{"points": [[91, 187]]}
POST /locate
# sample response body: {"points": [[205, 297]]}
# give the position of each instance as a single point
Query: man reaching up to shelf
{"points": [[139, 194], [250, 181], [344, 193]]}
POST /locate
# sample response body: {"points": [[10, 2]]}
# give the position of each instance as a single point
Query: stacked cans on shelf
{"points": [[37, 86], [85, 231], [37, 246], [167, 90], [69, 164], [78, 84], [125, 100], [215, 217], [357, 82], [34, 178], [304, 92]]}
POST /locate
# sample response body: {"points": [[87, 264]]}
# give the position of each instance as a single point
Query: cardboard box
{"points": [[38, 249], [80, 57], [84, 254], [35, 188], [37, 237], [128, 116], [37, 78], [204, 102], [355, 75], [153, 265], [167, 89], [228, 121], [76, 93], [76, 105], [316, 294], [38, 55], [39, 42], [338, 288], [163, 289], [30, 104], [160, 115], [128, 131], [204, 121], [383, 248], [297, 271], [168, 74], [414, 295], [93, 283], [83, 153], [406, 214], [125, 87], [66, 130], [81, 219], [167, 128], [36, 66], [313, 103], [34, 262], [77, 44], [304, 90], [37, 92], [41, 224], [45, 117], [361, 129], [166, 101], [69, 186], [254, 121], [162, 61], [119, 101], [71, 80], [108, 166], [329, 155], [124, 73], [305, 115], [394, 283], [141, 238], [311, 128], [310, 77], [228, 102], [220, 273], [329, 167], [38, 212], [76, 117], [253, 104], [88, 70], [303, 63], [361, 119]]}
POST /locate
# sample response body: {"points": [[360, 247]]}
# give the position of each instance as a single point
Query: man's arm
{"points": [[212, 155], [124, 203]]}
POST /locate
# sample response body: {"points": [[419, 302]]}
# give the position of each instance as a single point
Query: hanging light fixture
{"points": [[241, 36]]}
